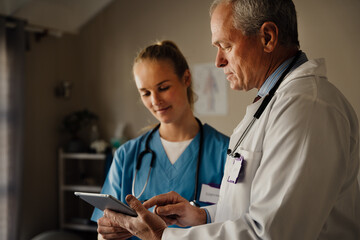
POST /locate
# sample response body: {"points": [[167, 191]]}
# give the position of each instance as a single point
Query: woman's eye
{"points": [[145, 94], [164, 88]]}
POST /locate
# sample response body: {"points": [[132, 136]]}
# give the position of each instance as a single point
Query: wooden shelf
{"points": [[81, 188], [83, 156], [78, 172]]}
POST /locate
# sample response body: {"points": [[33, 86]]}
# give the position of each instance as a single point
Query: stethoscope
{"points": [[262, 107], [153, 157]]}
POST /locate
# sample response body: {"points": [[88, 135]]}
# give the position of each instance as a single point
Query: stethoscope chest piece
{"points": [[194, 203]]}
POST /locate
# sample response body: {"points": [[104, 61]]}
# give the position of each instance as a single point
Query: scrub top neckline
{"points": [[173, 170]]}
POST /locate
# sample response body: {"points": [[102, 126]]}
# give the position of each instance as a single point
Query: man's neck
{"points": [[276, 58]]}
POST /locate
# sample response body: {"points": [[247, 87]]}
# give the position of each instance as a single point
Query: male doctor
{"points": [[290, 172]]}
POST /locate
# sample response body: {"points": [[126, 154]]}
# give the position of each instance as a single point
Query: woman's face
{"points": [[161, 90]]}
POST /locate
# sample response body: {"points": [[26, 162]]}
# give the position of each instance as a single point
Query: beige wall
{"points": [[326, 29], [98, 60], [330, 29], [49, 61], [112, 40]]}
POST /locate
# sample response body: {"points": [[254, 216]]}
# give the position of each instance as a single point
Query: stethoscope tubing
{"points": [[264, 104], [153, 158], [194, 201], [139, 160]]}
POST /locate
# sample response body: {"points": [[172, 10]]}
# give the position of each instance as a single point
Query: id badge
{"points": [[237, 171], [209, 193]]}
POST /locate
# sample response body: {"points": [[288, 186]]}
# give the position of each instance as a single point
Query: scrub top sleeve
{"points": [[96, 215], [112, 184]]}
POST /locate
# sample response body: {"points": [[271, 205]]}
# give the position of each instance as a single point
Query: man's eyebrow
{"points": [[215, 44]]}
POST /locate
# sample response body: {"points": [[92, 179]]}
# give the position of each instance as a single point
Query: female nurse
{"points": [[163, 79]]}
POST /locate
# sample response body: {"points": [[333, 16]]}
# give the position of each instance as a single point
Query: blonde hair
{"points": [[168, 51]]}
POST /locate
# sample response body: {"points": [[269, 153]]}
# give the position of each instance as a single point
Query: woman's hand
{"points": [[174, 209], [107, 229], [146, 225]]}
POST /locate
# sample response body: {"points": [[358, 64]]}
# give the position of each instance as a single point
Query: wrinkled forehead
{"points": [[222, 23], [222, 15]]}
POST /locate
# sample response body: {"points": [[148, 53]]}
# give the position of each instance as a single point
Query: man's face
{"points": [[240, 56]]}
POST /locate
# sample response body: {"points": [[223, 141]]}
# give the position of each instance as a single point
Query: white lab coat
{"points": [[302, 159]]}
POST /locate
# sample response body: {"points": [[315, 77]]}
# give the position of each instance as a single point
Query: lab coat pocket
{"points": [[249, 164], [252, 162], [235, 197]]}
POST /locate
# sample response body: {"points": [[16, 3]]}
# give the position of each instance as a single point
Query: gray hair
{"points": [[249, 16]]}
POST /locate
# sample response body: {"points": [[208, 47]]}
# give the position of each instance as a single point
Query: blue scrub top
{"points": [[166, 177]]}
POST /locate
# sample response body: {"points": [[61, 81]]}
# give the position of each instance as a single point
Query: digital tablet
{"points": [[106, 201]]}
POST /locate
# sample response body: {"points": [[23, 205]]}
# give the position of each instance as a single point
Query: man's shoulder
{"points": [[308, 87]]}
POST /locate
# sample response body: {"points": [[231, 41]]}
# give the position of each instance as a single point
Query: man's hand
{"points": [[146, 225], [175, 209]]}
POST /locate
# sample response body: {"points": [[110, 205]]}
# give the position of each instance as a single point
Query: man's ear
{"points": [[269, 33]]}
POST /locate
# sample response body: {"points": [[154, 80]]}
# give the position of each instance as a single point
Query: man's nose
{"points": [[220, 60]]}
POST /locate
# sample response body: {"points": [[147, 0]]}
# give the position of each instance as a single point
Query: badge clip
{"points": [[237, 173]]}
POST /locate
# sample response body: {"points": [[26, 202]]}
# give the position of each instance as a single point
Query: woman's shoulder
{"points": [[133, 143], [213, 133]]}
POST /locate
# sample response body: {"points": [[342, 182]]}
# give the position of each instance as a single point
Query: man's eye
{"points": [[225, 47]]}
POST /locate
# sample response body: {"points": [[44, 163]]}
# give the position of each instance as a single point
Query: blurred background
{"points": [[66, 74]]}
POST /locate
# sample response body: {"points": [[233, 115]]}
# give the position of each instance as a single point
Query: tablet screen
{"points": [[106, 201]]}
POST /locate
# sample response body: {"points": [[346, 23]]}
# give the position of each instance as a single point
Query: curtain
{"points": [[12, 67]]}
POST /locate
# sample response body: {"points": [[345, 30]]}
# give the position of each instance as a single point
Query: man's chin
{"points": [[234, 86]]}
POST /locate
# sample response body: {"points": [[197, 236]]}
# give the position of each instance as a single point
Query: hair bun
{"points": [[169, 43]]}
